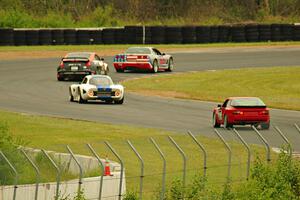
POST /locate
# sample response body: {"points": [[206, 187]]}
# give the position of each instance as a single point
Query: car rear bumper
{"points": [[73, 74], [133, 65], [250, 120]]}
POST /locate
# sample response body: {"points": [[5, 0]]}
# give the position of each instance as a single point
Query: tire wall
{"points": [[151, 35]]}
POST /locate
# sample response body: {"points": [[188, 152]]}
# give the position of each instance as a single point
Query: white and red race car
{"points": [[143, 58], [97, 87]]}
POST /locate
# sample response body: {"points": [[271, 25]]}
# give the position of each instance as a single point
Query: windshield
{"points": [[138, 50], [78, 55], [248, 102], [102, 81]]}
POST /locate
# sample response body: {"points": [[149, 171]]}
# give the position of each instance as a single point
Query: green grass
{"points": [[56, 133], [279, 87], [123, 47]]}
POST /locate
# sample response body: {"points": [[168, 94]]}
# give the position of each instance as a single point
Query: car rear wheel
{"points": [[155, 66], [60, 78], [81, 100], [71, 98], [119, 70], [214, 121], [119, 101], [170, 65], [265, 125], [226, 124]]}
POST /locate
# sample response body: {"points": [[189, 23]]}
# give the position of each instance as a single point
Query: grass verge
{"points": [[279, 87], [56, 133]]}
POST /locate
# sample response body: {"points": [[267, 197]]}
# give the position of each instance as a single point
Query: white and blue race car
{"points": [[97, 87]]}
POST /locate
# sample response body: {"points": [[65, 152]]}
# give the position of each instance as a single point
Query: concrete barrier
{"points": [[90, 185]]}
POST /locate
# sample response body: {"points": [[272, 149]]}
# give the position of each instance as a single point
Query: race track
{"points": [[30, 86]]}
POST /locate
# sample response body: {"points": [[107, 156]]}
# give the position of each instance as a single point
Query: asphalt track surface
{"points": [[30, 86]]}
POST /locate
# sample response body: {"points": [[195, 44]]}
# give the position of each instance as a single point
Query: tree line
{"points": [[126, 12]]}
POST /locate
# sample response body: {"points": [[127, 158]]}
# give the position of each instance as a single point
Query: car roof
{"points": [[98, 75], [241, 97]]}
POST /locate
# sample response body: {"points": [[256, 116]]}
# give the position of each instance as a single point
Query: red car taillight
{"points": [[237, 112], [61, 65], [264, 112], [88, 64]]}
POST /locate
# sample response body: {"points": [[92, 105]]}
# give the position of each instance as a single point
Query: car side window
{"points": [[84, 81], [156, 52], [97, 57], [225, 103]]}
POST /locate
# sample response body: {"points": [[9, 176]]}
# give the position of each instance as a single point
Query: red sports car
{"points": [[143, 58], [242, 111]]}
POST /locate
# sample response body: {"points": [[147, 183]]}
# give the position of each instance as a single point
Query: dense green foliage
{"points": [[95, 13], [8, 146], [280, 181]]}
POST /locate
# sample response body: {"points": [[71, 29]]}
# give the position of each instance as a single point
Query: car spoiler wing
{"points": [[75, 59]]}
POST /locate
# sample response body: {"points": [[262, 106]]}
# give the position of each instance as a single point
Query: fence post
{"points": [[265, 142], [229, 153], [297, 127], [102, 169], [183, 157], [122, 167], [202, 149], [285, 139], [57, 173], [248, 151], [79, 166], [142, 167], [15, 172], [37, 173], [162, 195]]}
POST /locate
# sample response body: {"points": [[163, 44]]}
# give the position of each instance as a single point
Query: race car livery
{"points": [[241, 111], [143, 58], [97, 87]]}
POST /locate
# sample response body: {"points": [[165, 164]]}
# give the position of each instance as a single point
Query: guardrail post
{"points": [[265, 143], [229, 153], [248, 151], [79, 166], [57, 173], [183, 157], [122, 167], [101, 166], [203, 151], [162, 195], [285, 139], [142, 167], [15, 172], [37, 173], [297, 127]]}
